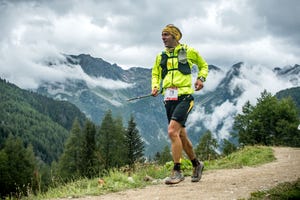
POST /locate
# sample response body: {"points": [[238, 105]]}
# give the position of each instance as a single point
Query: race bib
{"points": [[171, 94]]}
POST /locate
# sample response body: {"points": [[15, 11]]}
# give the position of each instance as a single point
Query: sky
{"points": [[128, 33]]}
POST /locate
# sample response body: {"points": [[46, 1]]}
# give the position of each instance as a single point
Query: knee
{"points": [[172, 133]]}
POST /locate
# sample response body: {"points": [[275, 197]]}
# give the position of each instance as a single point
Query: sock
{"points": [[177, 166], [195, 162]]}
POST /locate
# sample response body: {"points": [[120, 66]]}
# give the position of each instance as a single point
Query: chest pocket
{"points": [[183, 65]]}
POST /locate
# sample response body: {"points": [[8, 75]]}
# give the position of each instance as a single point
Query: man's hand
{"points": [[198, 85], [155, 92]]}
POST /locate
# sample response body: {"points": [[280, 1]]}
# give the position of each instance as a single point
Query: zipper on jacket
{"points": [[172, 57]]}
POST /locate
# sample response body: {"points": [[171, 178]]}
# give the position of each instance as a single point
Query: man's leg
{"points": [[187, 144], [188, 148], [176, 146], [176, 143]]}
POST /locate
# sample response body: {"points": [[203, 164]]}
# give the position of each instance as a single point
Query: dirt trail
{"points": [[221, 184]]}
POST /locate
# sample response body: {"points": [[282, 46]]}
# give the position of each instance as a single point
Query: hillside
{"points": [[294, 93], [36, 119]]}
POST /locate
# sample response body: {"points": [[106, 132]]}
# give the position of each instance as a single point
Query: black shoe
{"points": [[197, 172]]}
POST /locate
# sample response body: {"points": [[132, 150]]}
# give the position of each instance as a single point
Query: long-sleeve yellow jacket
{"points": [[172, 76]]}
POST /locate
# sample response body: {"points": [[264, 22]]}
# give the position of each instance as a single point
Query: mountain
{"points": [[294, 93], [117, 86], [292, 73], [38, 120], [103, 86]]}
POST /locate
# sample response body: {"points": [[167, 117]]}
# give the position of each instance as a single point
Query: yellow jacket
{"points": [[174, 78]]}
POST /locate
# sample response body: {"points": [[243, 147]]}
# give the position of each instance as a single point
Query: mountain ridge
{"points": [[123, 84]]}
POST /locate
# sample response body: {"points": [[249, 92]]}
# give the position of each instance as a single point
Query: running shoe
{"points": [[197, 172], [176, 177]]}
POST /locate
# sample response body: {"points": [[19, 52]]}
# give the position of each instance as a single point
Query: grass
{"points": [[248, 156], [116, 180], [281, 191]]}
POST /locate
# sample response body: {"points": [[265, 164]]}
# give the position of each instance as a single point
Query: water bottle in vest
{"points": [[182, 56]]}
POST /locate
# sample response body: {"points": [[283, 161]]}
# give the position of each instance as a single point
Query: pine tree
{"points": [[18, 173], [119, 143], [228, 147], [243, 123], [89, 160], [70, 164], [265, 118], [206, 149], [134, 143], [105, 140], [110, 141], [5, 178]]}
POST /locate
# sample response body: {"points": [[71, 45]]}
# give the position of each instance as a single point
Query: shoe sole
{"points": [[201, 170], [172, 183]]}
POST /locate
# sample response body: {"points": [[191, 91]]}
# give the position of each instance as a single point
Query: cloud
{"points": [[280, 21], [222, 115], [29, 69], [128, 32], [246, 31], [253, 80], [106, 83], [213, 79]]}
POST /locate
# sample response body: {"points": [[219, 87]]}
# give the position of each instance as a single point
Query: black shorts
{"points": [[180, 109]]}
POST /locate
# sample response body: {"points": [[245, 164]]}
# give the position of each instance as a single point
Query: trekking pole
{"points": [[140, 97]]}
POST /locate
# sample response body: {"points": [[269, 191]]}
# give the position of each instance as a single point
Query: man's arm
{"points": [[156, 77], [202, 68]]}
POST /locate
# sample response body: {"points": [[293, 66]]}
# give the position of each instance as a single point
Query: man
{"points": [[173, 68]]}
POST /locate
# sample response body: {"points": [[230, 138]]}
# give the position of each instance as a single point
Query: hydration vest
{"points": [[183, 65]]}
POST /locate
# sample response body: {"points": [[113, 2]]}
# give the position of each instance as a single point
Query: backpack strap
{"points": [[164, 61], [163, 64]]}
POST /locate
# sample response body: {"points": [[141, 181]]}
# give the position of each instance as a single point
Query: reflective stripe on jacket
{"points": [[174, 78]]}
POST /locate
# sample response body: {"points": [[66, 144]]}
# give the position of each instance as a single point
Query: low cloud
{"points": [[253, 80], [28, 69], [106, 83], [214, 78]]}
